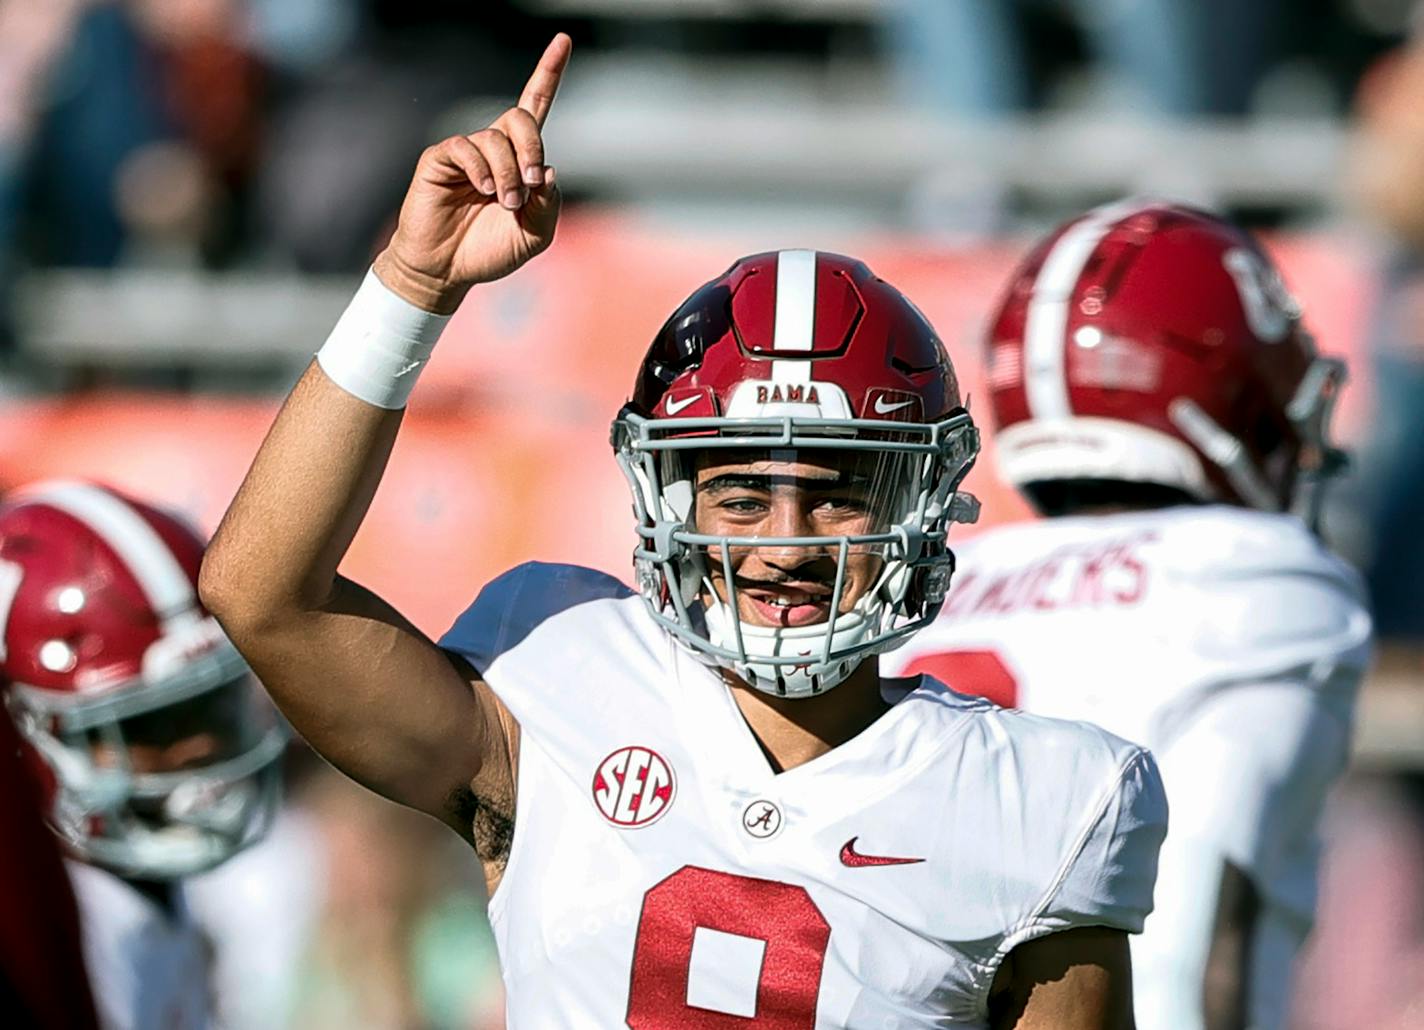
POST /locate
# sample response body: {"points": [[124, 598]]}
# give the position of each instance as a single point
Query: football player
{"points": [[157, 751], [698, 804], [1158, 398], [42, 978]]}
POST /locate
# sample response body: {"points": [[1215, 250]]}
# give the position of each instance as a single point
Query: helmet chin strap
{"points": [[815, 676], [1309, 411], [1223, 450], [164, 853]]}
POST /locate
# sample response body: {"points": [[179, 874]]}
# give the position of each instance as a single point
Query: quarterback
{"points": [[1158, 398], [698, 804], [157, 751]]}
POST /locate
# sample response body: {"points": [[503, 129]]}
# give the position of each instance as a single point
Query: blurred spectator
{"points": [[1387, 172], [401, 939], [340, 149], [148, 133], [128, 129], [32, 33], [1176, 57]]}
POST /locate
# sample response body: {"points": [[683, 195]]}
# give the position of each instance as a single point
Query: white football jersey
{"points": [[259, 910], [148, 966], [662, 874], [1231, 644]]}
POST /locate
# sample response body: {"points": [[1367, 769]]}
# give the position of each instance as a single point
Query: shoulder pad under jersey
{"points": [[512, 606]]}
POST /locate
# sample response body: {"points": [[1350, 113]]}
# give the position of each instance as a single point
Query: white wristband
{"points": [[379, 345]]}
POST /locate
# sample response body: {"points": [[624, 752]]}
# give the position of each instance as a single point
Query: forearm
{"points": [[1228, 968], [367, 689]]}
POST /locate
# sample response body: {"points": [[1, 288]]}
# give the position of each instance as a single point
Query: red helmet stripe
{"points": [[794, 328], [135, 542], [1046, 323]]}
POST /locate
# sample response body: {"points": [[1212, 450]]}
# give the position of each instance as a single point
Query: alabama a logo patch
{"points": [[633, 787]]}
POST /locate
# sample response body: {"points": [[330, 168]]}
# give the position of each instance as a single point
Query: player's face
{"points": [[202, 730], [827, 494]]}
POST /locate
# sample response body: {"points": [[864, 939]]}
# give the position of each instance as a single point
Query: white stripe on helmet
{"points": [[1046, 324], [795, 313], [164, 582]]}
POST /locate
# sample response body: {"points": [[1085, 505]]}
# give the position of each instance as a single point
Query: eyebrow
{"points": [[765, 481]]}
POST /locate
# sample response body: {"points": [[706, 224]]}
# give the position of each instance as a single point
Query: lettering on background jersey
{"points": [[633, 787], [1106, 574]]}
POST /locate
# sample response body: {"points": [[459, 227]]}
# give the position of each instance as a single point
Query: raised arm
{"points": [[367, 689]]}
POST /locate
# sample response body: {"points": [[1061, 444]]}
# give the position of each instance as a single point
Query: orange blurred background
{"points": [[504, 455]]}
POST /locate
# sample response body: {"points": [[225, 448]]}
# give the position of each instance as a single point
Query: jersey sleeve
{"points": [[1110, 870], [514, 605], [1261, 598], [1275, 749]]}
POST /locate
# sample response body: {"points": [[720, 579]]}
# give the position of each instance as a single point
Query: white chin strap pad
{"points": [[809, 642]]}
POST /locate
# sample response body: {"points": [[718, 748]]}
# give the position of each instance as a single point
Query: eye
{"points": [[743, 506], [842, 505]]}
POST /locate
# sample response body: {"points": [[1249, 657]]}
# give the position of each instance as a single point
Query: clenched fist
{"points": [[480, 205]]}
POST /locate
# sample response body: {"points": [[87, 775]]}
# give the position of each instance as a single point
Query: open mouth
{"points": [[785, 605]]}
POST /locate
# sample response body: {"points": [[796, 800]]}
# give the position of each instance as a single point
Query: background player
{"points": [[42, 977], [1157, 397], [751, 825], [158, 751]]}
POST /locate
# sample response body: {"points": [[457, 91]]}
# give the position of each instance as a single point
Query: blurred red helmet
{"points": [[797, 350], [103, 645], [1148, 342]]}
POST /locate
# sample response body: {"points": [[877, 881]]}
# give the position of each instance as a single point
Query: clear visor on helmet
{"points": [[164, 780], [793, 537]]}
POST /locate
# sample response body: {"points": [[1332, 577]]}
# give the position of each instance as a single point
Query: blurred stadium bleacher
{"points": [[189, 194]]}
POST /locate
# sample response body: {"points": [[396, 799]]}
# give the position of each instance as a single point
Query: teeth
{"points": [[787, 602]]}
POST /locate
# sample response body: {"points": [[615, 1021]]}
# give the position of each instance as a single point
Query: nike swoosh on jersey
{"points": [[881, 408], [854, 859], [673, 407]]}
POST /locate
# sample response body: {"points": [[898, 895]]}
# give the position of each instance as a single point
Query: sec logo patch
{"points": [[633, 787]]}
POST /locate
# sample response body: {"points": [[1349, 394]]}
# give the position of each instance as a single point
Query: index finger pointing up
{"points": [[539, 91]]}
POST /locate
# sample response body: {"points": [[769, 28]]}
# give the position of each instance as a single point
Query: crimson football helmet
{"points": [[787, 352], [1152, 343], [107, 660]]}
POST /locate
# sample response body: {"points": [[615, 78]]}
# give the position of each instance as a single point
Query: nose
{"points": [[790, 517]]}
